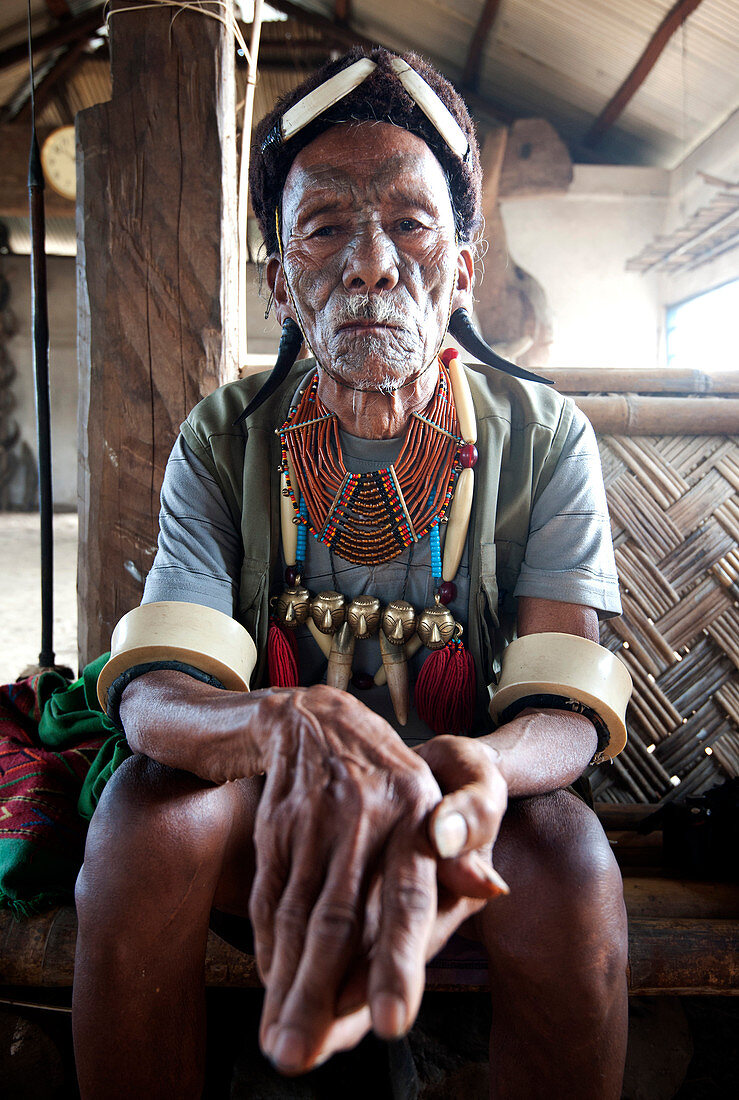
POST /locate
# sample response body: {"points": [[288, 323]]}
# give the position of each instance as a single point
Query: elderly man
{"points": [[362, 503]]}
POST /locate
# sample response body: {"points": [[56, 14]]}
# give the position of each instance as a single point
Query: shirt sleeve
{"points": [[569, 553], [199, 551]]}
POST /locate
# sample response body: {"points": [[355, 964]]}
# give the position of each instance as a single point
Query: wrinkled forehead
{"points": [[366, 162]]}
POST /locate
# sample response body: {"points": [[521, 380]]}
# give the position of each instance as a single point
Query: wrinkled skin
{"points": [[355, 857], [371, 271]]}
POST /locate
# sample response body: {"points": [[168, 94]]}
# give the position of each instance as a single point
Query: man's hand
{"points": [[464, 826], [344, 902], [460, 831], [345, 805]]}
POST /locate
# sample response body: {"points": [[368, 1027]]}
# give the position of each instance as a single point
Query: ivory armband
{"points": [[188, 632], [581, 674]]}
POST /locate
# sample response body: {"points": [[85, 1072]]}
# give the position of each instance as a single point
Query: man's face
{"points": [[369, 253]]}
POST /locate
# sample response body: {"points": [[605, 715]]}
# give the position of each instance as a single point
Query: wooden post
{"points": [[511, 306], [157, 285]]}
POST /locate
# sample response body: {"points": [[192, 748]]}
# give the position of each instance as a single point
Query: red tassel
{"points": [[445, 689], [282, 657]]}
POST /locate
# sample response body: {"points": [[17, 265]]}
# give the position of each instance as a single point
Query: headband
{"points": [[338, 86]]}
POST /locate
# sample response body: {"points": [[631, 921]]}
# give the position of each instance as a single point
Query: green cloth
{"points": [[57, 751], [73, 714]]}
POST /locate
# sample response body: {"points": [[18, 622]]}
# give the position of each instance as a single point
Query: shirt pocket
{"points": [[252, 600]]}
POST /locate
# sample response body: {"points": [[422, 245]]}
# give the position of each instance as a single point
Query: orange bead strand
{"points": [[371, 518]]}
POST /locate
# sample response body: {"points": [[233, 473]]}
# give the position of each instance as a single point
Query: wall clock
{"points": [[59, 163]]}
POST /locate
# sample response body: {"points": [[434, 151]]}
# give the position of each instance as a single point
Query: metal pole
{"points": [[40, 322]]}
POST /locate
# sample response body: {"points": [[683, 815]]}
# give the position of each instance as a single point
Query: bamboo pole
{"points": [[630, 414], [644, 381], [692, 952]]}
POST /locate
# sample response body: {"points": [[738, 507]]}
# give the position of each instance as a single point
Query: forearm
{"points": [[215, 734], [543, 750]]}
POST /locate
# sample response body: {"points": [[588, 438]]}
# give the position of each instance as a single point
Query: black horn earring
{"points": [[464, 332], [291, 342]]}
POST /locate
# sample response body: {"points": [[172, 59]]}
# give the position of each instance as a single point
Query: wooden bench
{"points": [[683, 935]]}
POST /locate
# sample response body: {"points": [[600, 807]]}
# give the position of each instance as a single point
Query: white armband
{"points": [[564, 671], [168, 633]]}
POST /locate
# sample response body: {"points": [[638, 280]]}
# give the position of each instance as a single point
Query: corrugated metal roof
{"points": [[558, 59], [13, 18], [13, 31], [564, 59]]}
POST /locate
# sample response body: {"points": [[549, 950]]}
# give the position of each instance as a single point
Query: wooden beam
{"points": [[58, 8], [674, 18], [683, 957], [478, 42], [64, 65], [14, 143], [83, 26], [664, 898], [339, 35], [511, 307], [157, 285]]}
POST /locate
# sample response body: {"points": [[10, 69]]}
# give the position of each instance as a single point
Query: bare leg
{"points": [[162, 847], [557, 949]]}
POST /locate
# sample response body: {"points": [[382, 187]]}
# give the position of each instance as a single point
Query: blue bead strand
{"points": [[302, 546], [435, 553]]}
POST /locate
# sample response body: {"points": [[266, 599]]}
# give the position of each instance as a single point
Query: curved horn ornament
{"points": [[465, 333], [291, 342]]}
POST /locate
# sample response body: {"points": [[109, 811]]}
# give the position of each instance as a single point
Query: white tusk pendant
{"points": [[459, 521], [395, 664], [340, 658], [411, 648], [323, 641]]}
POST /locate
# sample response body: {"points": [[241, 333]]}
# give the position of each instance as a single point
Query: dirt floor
{"points": [[20, 594], [679, 1049]]}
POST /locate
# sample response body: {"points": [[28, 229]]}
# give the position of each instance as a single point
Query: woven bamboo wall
{"points": [[674, 506]]}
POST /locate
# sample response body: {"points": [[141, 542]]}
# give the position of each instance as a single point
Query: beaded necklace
{"points": [[370, 518], [445, 689]]}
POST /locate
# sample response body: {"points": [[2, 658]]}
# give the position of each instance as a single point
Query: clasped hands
{"points": [[369, 855]]}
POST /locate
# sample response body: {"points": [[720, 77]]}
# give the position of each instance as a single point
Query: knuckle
{"points": [[415, 785], [335, 921], [321, 695], [485, 809], [408, 903], [290, 914]]}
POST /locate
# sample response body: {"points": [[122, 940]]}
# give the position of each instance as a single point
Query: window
{"points": [[703, 332]]}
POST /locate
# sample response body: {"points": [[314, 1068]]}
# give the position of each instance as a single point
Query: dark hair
{"points": [[379, 98]]}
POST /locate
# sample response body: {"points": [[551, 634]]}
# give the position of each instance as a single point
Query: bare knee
{"points": [[565, 915], [154, 827]]}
